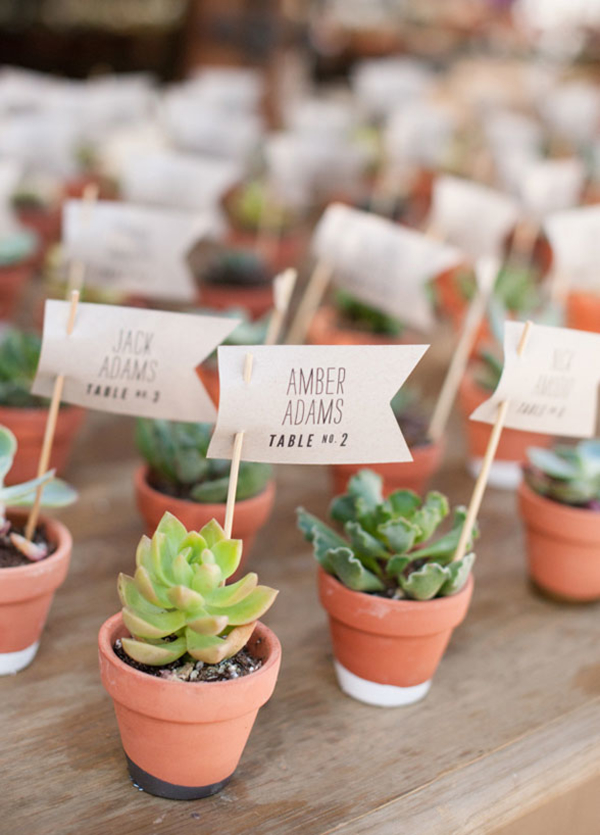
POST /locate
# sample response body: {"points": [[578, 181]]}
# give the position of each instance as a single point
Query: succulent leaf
{"points": [[368, 486], [404, 503], [567, 474], [458, 574], [399, 534], [427, 518], [351, 571], [177, 593], [425, 582]]}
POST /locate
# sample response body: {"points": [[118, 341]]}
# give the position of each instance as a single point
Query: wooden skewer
{"points": [[488, 459], [283, 296], [315, 290], [236, 459], [458, 365], [50, 427]]}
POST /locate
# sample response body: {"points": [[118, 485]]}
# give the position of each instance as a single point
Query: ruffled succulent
{"points": [[387, 548], [567, 474], [177, 603]]}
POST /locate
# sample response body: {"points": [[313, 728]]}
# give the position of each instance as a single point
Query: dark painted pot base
{"points": [[160, 788]]}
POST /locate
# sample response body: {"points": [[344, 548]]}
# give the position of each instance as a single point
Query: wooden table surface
{"points": [[507, 741]]}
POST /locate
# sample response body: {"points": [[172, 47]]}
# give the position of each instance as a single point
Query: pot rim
{"points": [[576, 514], [142, 486], [113, 625], [28, 412], [407, 605], [64, 545]]}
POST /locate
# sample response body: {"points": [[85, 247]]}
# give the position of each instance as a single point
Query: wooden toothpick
{"points": [[315, 290], [283, 295], [460, 358], [236, 459], [50, 427], [488, 459]]}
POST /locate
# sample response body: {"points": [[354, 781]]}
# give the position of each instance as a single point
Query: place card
{"points": [[553, 387], [129, 360], [313, 404]]}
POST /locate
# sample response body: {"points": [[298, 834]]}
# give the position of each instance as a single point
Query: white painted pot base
{"points": [[13, 662], [506, 475], [379, 695]]}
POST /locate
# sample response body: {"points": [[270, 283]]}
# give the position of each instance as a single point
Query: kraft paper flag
{"points": [[130, 361], [313, 404], [136, 249], [473, 217], [381, 263], [551, 185], [178, 181], [574, 236], [553, 387]]}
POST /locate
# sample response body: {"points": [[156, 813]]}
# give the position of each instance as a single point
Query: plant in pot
{"points": [[30, 571], [478, 384], [559, 501], [249, 208], [248, 332], [393, 596], [178, 477], [187, 662], [18, 248], [411, 475], [347, 321], [24, 413], [38, 209], [234, 278]]}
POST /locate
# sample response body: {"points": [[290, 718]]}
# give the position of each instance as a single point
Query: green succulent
{"points": [[55, 494], [365, 317], [238, 268], [250, 202], [177, 603], [176, 452], [387, 548], [567, 474], [19, 356]]}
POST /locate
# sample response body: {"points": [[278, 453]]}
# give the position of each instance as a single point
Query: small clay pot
{"points": [[325, 329], [387, 651], [563, 546], [46, 222], [256, 300], [184, 740], [407, 475], [26, 594], [75, 187], [583, 311], [250, 514], [28, 426], [13, 278], [505, 472]]}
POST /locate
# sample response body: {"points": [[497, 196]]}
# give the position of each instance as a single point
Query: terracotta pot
{"points": [[563, 546], [250, 514], [75, 187], [184, 740], [512, 449], [28, 426], [408, 475], [26, 594], [387, 651], [46, 223], [451, 300], [583, 311], [256, 301], [326, 330], [13, 279]]}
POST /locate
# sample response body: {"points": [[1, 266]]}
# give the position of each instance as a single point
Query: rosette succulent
{"points": [[176, 455], [567, 474], [387, 547], [177, 603], [55, 494]]}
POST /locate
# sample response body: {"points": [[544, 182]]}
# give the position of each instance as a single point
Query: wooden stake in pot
{"points": [[488, 459], [235, 460], [315, 290], [74, 287], [50, 428], [283, 289], [488, 272]]}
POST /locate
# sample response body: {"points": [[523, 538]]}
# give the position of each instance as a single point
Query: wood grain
{"points": [[512, 722]]}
